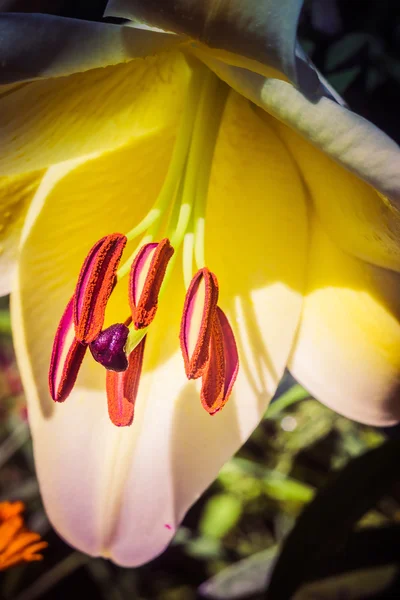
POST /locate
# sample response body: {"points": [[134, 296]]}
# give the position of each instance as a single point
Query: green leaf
{"points": [[5, 322], [242, 579], [345, 48], [220, 515], [277, 485], [366, 564], [291, 396], [204, 548], [327, 521], [343, 79], [356, 585]]}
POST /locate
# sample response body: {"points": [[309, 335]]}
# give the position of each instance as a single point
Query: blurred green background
{"points": [[244, 516]]}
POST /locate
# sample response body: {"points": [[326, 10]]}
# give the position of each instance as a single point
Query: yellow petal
{"points": [[256, 238], [357, 218], [46, 122], [256, 234], [123, 493], [348, 349], [352, 141], [15, 196]]}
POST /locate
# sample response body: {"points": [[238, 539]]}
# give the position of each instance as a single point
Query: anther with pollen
{"points": [[95, 284], [83, 318], [197, 322], [66, 357], [223, 365], [207, 342], [146, 276]]}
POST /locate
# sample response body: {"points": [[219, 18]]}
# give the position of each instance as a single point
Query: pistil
{"points": [[108, 348]]}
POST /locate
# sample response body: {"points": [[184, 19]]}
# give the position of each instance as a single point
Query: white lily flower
{"points": [[292, 202]]}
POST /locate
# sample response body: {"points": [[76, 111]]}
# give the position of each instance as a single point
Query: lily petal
{"points": [[262, 31], [348, 349], [256, 241], [136, 485], [41, 46], [46, 122], [15, 196], [256, 229], [361, 221], [350, 140]]}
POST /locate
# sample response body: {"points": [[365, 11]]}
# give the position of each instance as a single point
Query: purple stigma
{"points": [[108, 348]]}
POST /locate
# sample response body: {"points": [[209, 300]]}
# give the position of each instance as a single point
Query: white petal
{"points": [[349, 139], [123, 493], [34, 45], [262, 32], [358, 219]]}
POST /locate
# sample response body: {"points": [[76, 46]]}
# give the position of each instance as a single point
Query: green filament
{"points": [[186, 186]]}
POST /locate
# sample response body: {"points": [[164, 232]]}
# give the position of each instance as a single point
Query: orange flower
{"points": [[17, 544]]}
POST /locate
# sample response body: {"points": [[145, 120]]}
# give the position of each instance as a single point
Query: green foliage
{"points": [[326, 523], [220, 515], [345, 48], [245, 578]]}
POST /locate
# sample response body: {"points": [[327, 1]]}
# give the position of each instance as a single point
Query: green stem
{"points": [[294, 394], [51, 578]]}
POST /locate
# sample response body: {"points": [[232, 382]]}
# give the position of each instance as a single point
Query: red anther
{"points": [[95, 284], [66, 357], [197, 322], [146, 276], [222, 367], [122, 388]]}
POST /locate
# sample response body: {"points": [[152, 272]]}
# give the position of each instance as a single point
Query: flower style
{"points": [[282, 209], [17, 543]]}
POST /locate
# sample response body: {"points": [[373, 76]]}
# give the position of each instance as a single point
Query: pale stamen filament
{"points": [[216, 90], [186, 186], [175, 168]]}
